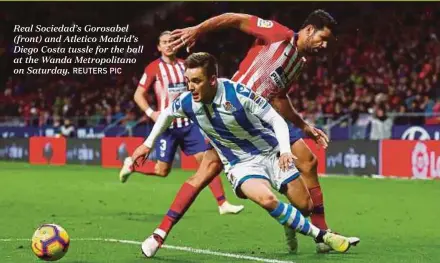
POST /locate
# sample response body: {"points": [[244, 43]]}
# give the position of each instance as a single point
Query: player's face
{"points": [[317, 41], [164, 46], [200, 85]]}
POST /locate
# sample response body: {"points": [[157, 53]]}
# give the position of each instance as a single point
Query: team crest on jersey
{"points": [[264, 23], [228, 106]]}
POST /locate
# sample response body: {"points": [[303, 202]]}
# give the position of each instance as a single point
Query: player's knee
{"points": [[205, 174], [215, 167], [306, 206], [161, 171], [310, 165], [268, 202], [198, 180]]}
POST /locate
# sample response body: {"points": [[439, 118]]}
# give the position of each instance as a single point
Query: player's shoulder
{"points": [[182, 101], [153, 65], [240, 89], [180, 60]]}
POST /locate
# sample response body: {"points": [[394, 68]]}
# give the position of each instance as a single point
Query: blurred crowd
{"points": [[386, 62]]}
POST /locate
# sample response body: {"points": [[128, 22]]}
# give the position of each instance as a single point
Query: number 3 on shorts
{"points": [[163, 145]]}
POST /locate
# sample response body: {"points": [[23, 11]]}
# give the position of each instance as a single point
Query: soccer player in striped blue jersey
{"points": [[270, 68], [165, 76], [255, 158]]}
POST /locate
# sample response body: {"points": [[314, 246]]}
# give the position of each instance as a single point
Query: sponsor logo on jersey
{"points": [[176, 104], [258, 100], [279, 78], [177, 87], [243, 90]]}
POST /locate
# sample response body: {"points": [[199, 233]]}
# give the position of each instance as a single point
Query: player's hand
{"points": [[317, 135], [140, 156], [286, 161], [184, 37]]}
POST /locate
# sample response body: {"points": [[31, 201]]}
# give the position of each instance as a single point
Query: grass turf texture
{"points": [[397, 220]]}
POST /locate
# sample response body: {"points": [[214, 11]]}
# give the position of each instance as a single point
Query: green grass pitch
{"points": [[397, 220]]}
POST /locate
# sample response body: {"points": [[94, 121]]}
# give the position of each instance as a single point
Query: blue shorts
{"points": [[189, 138], [295, 133]]}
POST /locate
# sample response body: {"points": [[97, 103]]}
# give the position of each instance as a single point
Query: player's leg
{"points": [[307, 164], [298, 195], [209, 168], [258, 190], [215, 186], [193, 143], [163, 151]]}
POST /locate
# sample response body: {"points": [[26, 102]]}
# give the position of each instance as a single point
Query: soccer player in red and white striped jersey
{"points": [[270, 68], [165, 76]]}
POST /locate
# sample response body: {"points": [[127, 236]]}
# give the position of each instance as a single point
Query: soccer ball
{"points": [[50, 242]]}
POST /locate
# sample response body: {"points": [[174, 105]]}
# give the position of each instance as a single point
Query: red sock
{"points": [[181, 203], [318, 215], [217, 190]]}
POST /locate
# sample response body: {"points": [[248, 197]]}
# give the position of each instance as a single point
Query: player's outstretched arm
{"points": [[263, 110], [284, 106], [162, 123], [140, 155], [188, 36]]}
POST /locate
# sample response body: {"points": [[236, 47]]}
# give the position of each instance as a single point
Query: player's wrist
{"points": [[303, 124], [148, 143], [149, 112]]}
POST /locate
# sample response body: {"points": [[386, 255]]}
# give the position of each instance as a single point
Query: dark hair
{"points": [[166, 32], [320, 19], [204, 60]]}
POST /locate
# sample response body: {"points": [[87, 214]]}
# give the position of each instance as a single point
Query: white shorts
{"points": [[264, 166]]}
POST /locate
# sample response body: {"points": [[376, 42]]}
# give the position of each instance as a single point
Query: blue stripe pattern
{"points": [[242, 120], [188, 110], [282, 215], [277, 212], [223, 131]]}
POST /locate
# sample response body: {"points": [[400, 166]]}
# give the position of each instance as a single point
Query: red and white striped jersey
{"points": [[272, 63], [168, 82]]}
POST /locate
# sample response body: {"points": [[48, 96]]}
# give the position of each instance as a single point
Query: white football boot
{"points": [[126, 170], [152, 244], [227, 208]]}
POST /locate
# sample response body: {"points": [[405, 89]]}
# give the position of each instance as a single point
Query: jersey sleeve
{"points": [[148, 77], [176, 107], [252, 102], [268, 30]]}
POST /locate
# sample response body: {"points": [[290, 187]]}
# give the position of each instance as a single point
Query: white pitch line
{"points": [[187, 249]]}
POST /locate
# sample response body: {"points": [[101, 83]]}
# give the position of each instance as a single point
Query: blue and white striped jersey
{"points": [[233, 122]]}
